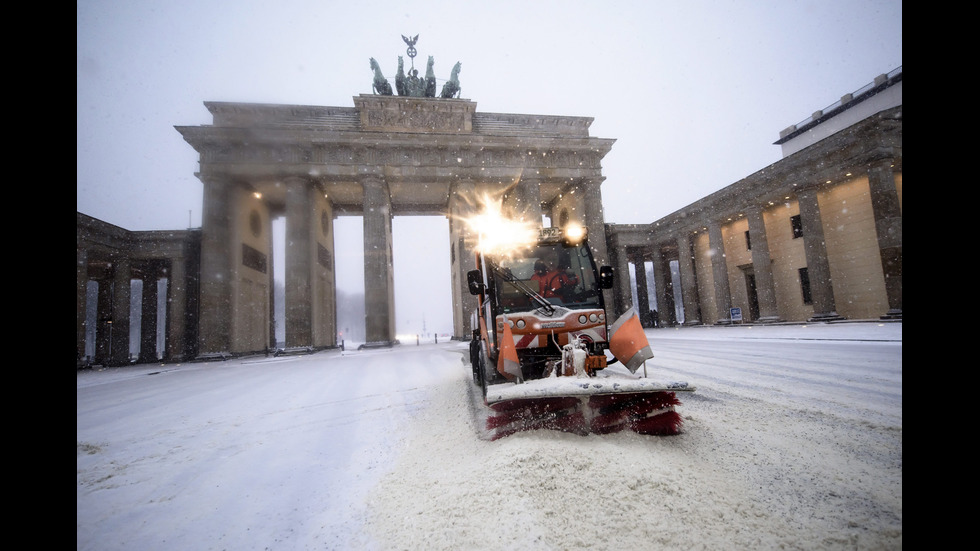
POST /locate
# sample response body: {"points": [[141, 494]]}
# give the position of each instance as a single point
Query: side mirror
{"points": [[606, 277], [475, 282]]}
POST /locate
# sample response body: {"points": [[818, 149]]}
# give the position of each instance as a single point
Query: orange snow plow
{"points": [[540, 338]]}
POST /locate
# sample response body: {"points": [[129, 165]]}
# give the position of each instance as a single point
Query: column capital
{"points": [[591, 181], [214, 178], [371, 179]]}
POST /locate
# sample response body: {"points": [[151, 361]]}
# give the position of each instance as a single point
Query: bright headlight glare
{"points": [[574, 232]]}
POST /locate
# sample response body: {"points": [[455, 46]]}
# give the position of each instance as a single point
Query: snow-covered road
{"points": [[793, 440]]}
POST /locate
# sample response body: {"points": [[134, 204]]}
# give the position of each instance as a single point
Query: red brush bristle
{"points": [[665, 424], [534, 413]]}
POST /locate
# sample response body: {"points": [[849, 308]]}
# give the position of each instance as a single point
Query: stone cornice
{"points": [[252, 115], [545, 125], [103, 239], [545, 155]]}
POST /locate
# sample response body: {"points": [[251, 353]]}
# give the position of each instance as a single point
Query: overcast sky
{"points": [[694, 92]]}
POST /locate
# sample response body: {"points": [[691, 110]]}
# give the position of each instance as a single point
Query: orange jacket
{"points": [[550, 284]]}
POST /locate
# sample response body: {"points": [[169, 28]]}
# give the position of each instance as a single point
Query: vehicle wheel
{"points": [[475, 346], [484, 369]]}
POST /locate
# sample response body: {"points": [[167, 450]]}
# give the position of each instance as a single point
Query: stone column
{"points": [[719, 271], [81, 300], [103, 323], [148, 320], [379, 294], [463, 256], [272, 344], [121, 294], [815, 248], [217, 261], [888, 224], [642, 296], [323, 275], [595, 222], [176, 310], [623, 294], [689, 280], [661, 275], [299, 263], [765, 286]]}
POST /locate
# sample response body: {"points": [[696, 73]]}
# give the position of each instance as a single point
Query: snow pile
{"points": [[550, 490]]}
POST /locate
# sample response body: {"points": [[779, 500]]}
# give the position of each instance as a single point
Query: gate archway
{"points": [[386, 156]]}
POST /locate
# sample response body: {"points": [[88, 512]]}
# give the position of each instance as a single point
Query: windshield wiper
{"points": [[547, 307]]}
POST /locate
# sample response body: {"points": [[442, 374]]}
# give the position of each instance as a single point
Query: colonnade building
{"points": [[165, 263], [815, 236]]}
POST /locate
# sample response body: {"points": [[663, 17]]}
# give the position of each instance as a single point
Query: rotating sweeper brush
{"points": [[651, 412]]}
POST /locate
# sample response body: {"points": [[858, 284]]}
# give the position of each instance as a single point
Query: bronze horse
{"points": [[451, 88], [401, 82], [380, 85], [430, 79]]}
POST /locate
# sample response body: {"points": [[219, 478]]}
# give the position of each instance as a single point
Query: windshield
{"points": [[560, 275]]}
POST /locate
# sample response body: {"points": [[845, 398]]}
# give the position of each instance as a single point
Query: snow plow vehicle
{"points": [[540, 337]]}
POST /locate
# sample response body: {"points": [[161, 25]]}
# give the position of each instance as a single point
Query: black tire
{"points": [[484, 367], [475, 346]]}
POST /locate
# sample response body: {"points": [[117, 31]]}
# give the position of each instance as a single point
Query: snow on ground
{"points": [[792, 440]]}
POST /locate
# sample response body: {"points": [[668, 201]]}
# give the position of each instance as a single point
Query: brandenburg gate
{"points": [[387, 156]]}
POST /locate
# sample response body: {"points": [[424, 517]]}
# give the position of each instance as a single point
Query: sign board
{"points": [[735, 314]]}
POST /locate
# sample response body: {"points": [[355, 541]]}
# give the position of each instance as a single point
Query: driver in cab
{"points": [[552, 282]]}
